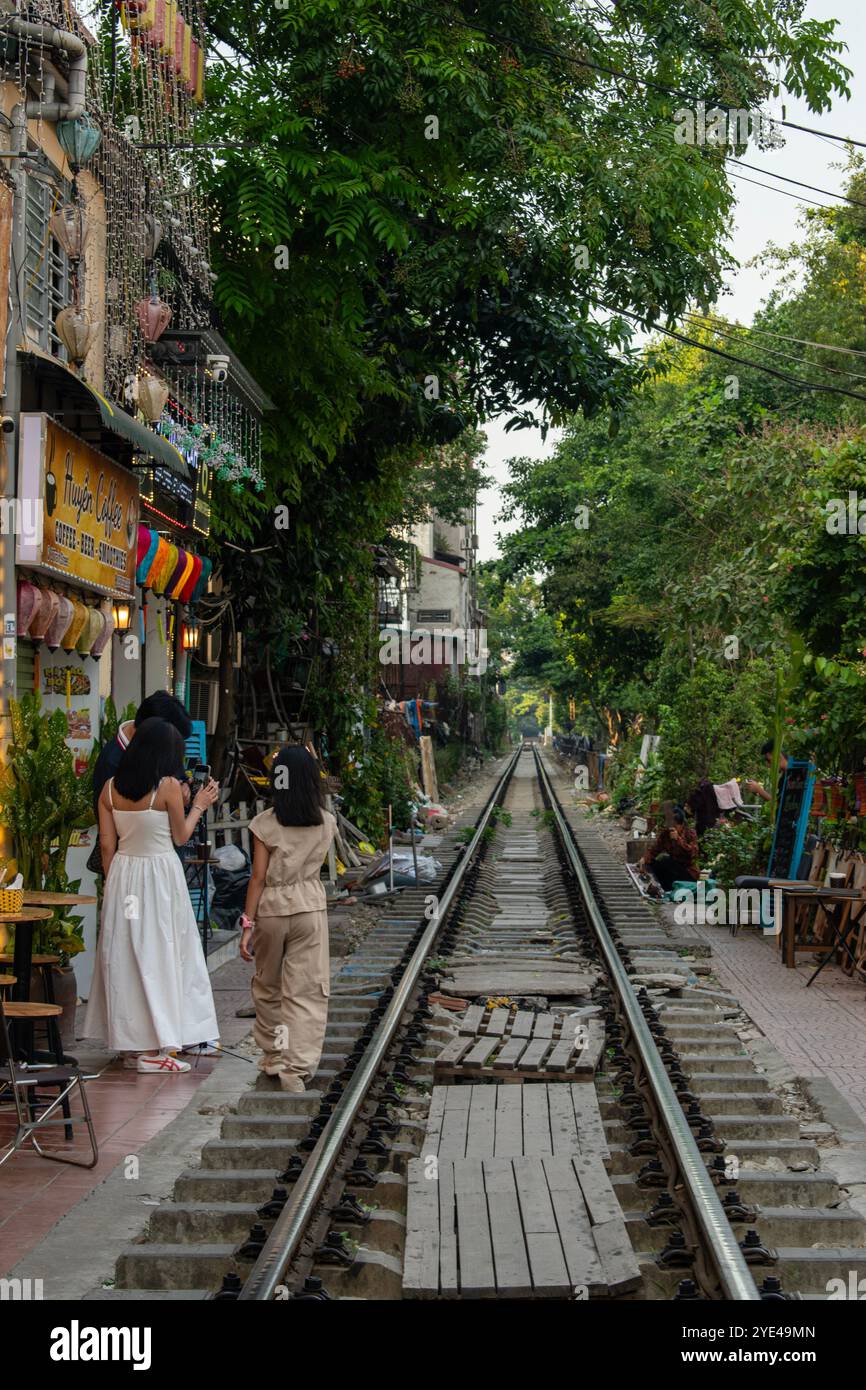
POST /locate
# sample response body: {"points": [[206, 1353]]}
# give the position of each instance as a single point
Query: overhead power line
{"points": [[550, 51], [741, 361], [855, 202]]}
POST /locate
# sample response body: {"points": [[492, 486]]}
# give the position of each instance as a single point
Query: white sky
{"points": [[761, 216]]}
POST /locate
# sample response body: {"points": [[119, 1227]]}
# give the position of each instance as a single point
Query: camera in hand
{"points": [[200, 777]]}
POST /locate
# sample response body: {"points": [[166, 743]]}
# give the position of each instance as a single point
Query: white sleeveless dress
{"points": [[150, 986]]}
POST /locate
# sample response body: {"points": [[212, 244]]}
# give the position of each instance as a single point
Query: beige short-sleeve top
{"points": [[292, 883]]}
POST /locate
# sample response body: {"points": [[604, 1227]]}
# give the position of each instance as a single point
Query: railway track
{"points": [[304, 1197]]}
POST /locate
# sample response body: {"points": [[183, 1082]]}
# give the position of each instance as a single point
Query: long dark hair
{"points": [[297, 787], [155, 751]]}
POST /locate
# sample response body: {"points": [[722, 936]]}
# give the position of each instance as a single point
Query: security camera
{"points": [[7, 423], [218, 366]]}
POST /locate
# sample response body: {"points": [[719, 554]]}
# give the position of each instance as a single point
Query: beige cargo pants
{"points": [[290, 991]]}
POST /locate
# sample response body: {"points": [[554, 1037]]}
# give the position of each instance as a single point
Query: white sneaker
{"points": [[161, 1064]]}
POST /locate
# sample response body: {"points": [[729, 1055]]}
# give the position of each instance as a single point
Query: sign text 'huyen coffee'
{"points": [[90, 509]]}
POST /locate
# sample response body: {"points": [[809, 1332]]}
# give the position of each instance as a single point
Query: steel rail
{"points": [[734, 1274], [282, 1244]]}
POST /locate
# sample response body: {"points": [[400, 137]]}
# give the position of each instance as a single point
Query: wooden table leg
{"points": [[788, 931]]}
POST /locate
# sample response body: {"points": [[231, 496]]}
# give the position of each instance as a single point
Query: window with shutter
{"points": [[46, 279]]}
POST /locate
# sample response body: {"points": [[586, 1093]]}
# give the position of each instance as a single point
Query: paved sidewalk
{"points": [[128, 1110], [821, 1030]]}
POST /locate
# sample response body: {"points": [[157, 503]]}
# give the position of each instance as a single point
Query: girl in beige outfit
{"points": [[285, 922]]}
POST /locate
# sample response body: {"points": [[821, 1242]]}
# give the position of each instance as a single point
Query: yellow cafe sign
{"points": [[87, 504]]}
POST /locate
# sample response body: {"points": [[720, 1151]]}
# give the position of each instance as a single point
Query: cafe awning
{"points": [[93, 417]]}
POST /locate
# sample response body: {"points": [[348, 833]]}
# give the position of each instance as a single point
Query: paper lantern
{"points": [[79, 139], [158, 563], [76, 330], [143, 543], [70, 637], [166, 570], [49, 602], [178, 580], [59, 623], [152, 395], [152, 235], [154, 316], [145, 563], [104, 636], [206, 567], [91, 630], [28, 605], [69, 226], [192, 579]]}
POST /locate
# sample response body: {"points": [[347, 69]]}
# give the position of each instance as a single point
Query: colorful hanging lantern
{"points": [[28, 605], [152, 396], [166, 569], [69, 226], [76, 330], [59, 623], [104, 637], [206, 568], [91, 630], [73, 632], [177, 583], [192, 579], [49, 603], [143, 543], [157, 562], [154, 316], [149, 555], [79, 139]]}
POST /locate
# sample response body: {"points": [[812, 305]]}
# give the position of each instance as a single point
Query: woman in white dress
{"points": [[151, 991]]}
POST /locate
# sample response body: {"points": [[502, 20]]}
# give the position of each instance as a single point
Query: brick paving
{"points": [[128, 1110], [821, 1031]]}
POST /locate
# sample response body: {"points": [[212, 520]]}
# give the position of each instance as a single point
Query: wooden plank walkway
{"points": [[498, 1044], [510, 1198]]}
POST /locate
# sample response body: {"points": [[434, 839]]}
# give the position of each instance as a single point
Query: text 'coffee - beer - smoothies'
{"points": [[90, 506]]}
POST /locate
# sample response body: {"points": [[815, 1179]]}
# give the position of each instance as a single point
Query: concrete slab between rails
{"points": [[79, 1254]]}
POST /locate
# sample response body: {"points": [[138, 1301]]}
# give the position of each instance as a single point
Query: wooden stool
{"points": [[32, 1011], [45, 965]]}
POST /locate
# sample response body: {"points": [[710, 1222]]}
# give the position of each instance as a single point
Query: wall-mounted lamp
{"points": [[121, 611], [191, 634]]}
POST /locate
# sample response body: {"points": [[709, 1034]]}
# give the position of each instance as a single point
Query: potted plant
{"points": [[42, 801]]}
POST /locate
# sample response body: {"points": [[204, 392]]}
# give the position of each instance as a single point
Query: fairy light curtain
{"points": [[145, 89]]}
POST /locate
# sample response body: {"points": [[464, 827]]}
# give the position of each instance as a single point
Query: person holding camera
{"points": [[285, 921], [151, 990]]}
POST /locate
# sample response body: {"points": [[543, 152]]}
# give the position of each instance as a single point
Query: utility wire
{"points": [[855, 202], [784, 192], [788, 338], [553, 52], [730, 357], [728, 332]]}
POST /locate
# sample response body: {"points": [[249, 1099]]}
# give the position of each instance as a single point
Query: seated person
{"points": [[673, 857]]}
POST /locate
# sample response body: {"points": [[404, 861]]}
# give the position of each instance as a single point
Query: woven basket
{"points": [[11, 901]]}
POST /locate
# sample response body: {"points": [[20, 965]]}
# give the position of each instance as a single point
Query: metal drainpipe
{"points": [[75, 50]]}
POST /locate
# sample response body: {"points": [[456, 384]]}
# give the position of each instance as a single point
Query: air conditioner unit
{"points": [[210, 654]]}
